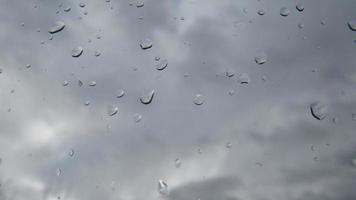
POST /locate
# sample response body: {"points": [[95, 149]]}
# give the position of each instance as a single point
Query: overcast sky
{"points": [[240, 130]]}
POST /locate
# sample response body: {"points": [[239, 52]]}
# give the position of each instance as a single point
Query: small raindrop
{"points": [[146, 44], [300, 26], [139, 4], [80, 83], [228, 145], [352, 25], [229, 73], [92, 84], [58, 26], [147, 96], [261, 12], [120, 93], [261, 58], [300, 7], [87, 103], [318, 110], [284, 12], [97, 53], [243, 78], [112, 110], [76, 52], [353, 117], [1, 71], [198, 99], [178, 163], [67, 9], [157, 58], [28, 66], [58, 172], [231, 92], [163, 188], [137, 118], [65, 83], [71, 153], [162, 65], [354, 161], [82, 5], [200, 151]]}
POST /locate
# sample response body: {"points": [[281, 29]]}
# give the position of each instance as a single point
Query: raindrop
{"points": [[318, 110], [198, 99], [157, 58], [120, 93], [58, 172], [82, 5], [261, 12], [200, 151], [1, 71], [312, 148], [28, 66], [163, 188], [231, 92], [178, 163], [76, 52], [353, 116], [300, 7], [112, 110], [300, 26], [80, 83], [352, 25], [261, 58], [87, 103], [228, 145], [354, 161], [65, 83], [139, 4], [147, 96], [284, 12], [244, 78], [146, 44], [162, 65], [137, 118], [92, 84], [67, 9], [59, 25], [71, 153], [97, 53], [229, 73]]}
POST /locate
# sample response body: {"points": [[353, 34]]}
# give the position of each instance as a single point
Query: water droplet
{"points": [[76, 52], [146, 44], [312, 148], [28, 66], [147, 96], [300, 7], [318, 110], [198, 99], [65, 83], [97, 53], [163, 188], [120, 93], [157, 58], [92, 84], [228, 145], [1, 71], [231, 92], [284, 12], [112, 110], [82, 5], [352, 25], [71, 153], [243, 78], [261, 12], [137, 118], [67, 9], [229, 73], [80, 83], [58, 26], [162, 65], [261, 58], [354, 161], [353, 117], [300, 26], [58, 172], [177, 163], [139, 4], [200, 151], [87, 103]]}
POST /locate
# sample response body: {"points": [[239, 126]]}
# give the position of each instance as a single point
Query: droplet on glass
{"points": [[354, 161], [243, 78], [76, 52], [162, 65], [58, 171], [92, 84], [137, 118], [97, 53], [71, 153], [300, 26], [229, 73], [120, 93], [67, 9], [261, 58], [157, 58], [352, 25], [58, 26], [163, 188], [87, 103], [28, 66], [261, 12], [112, 110], [353, 117], [82, 5], [139, 4], [228, 145], [147, 96], [146, 44], [231, 92], [318, 110], [300, 7], [198, 99], [65, 83], [178, 163], [284, 12]]}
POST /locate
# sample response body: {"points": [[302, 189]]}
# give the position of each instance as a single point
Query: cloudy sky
{"points": [[219, 125]]}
